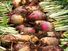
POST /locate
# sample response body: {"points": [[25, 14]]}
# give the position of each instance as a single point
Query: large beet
{"points": [[37, 15], [44, 25], [16, 19], [50, 40], [26, 38], [8, 38], [50, 48]]}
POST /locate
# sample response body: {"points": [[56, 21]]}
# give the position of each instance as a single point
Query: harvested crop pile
{"points": [[33, 25]]}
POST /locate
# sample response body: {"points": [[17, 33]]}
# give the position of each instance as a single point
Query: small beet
{"points": [[24, 29], [29, 30], [20, 27]]}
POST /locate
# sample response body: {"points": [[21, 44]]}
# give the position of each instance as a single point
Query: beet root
{"points": [[51, 48], [16, 19], [50, 41], [20, 46], [37, 15]]}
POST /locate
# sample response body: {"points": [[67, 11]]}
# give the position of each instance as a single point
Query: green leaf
{"points": [[66, 49], [4, 21], [9, 30], [60, 13]]}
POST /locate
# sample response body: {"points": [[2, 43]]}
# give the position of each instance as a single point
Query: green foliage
{"points": [[9, 30], [66, 49], [57, 10], [4, 21], [66, 34], [5, 7]]}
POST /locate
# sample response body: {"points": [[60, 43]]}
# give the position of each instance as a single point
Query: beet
{"points": [[37, 15], [20, 46], [50, 40], [22, 38], [26, 38], [16, 19], [20, 27], [29, 30], [18, 10], [8, 38], [46, 26], [50, 48]]}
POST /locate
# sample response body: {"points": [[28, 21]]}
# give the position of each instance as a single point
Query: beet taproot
{"points": [[16, 19]]}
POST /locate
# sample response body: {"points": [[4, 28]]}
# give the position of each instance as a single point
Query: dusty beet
{"points": [[8, 38], [51, 48], [50, 40], [20, 46], [26, 38]]}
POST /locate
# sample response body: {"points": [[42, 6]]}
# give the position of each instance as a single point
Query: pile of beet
{"points": [[36, 32]]}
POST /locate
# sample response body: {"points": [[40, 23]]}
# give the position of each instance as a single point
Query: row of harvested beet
{"points": [[36, 32], [29, 43]]}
